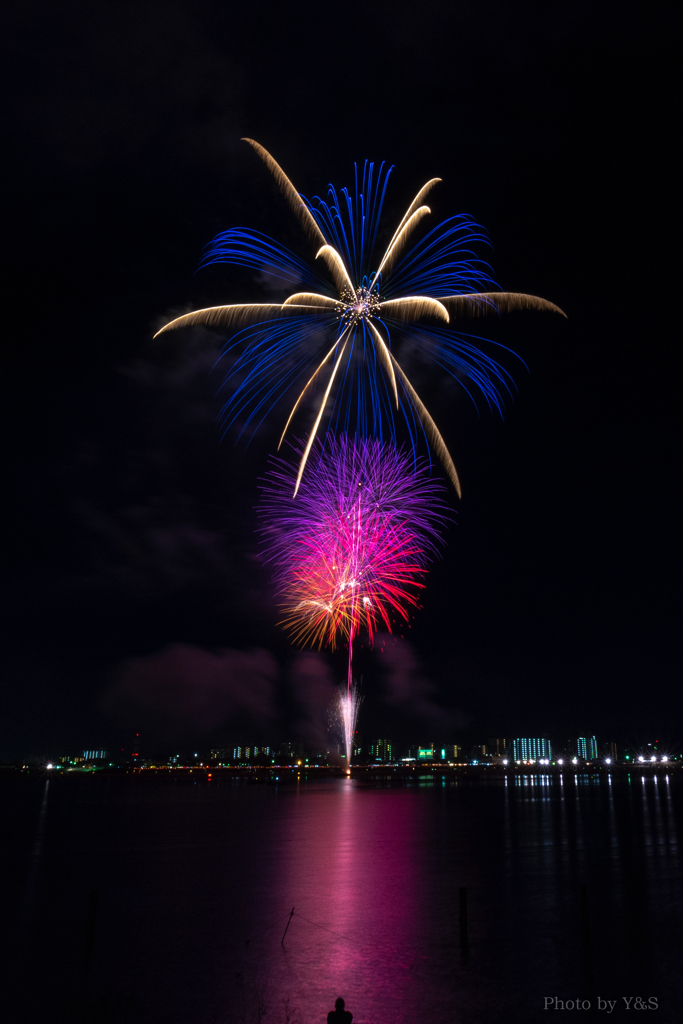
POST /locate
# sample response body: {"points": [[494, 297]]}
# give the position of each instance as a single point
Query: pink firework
{"points": [[351, 550]]}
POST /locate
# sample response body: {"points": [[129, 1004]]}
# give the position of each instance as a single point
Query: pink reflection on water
{"points": [[352, 872]]}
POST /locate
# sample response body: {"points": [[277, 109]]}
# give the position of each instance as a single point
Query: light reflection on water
{"points": [[196, 883]]}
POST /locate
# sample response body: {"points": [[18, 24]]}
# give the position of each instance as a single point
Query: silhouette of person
{"points": [[339, 1015]]}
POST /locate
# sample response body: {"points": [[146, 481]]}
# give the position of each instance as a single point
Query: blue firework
{"points": [[342, 326]]}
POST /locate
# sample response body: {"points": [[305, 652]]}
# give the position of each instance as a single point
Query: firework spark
{"points": [[351, 552], [372, 296]]}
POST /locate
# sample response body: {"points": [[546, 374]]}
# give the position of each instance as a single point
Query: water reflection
{"points": [[353, 872], [197, 883]]}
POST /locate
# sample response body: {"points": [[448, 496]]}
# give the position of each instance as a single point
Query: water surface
{"points": [[195, 883]]}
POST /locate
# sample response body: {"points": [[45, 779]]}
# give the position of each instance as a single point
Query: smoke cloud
{"points": [[410, 691], [312, 686], [185, 687]]}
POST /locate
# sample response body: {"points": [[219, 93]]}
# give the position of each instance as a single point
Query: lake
{"points": [[165, 900]]}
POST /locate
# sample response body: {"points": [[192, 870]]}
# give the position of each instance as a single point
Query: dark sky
{"points": [[129, 524]]}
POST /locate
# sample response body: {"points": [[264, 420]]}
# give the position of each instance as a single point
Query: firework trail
{"points": [[348, 706], [351, 551], [344, 323]]}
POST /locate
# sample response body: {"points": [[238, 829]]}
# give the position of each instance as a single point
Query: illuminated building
{"points": [[531, 749], [497, 747], [425, 753], [289, 751], [322, 756], [380, 750], [220, 756], [94, 755], [241, 754], [612, 751], [587, 748]]}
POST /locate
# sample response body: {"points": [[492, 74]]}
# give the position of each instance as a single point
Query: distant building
{"points": [[243, 755], [290, 751], [587, 748], [612, 751], [531, 749], [94, 755], [322, 756], [449, 752], [425, 753], [497, 747], [380, 750]]}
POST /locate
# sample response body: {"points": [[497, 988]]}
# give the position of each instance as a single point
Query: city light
{"points": [[295, 757]]}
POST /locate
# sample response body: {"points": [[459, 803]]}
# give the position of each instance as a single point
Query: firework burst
{"points": [[351, 551], [343, 324]]}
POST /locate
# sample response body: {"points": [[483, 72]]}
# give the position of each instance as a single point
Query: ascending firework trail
{"points": [[350, 552]]}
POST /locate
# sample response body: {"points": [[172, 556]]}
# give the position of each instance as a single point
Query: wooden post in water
{"points": [[463, 919], [90, 933], [586, 951], [585, 923], [289, 921]]}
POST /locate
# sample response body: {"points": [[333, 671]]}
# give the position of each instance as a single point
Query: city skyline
{"points": [[525, 751]]}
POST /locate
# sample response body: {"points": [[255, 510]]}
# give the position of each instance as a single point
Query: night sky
{"points": [[129, 524]]}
